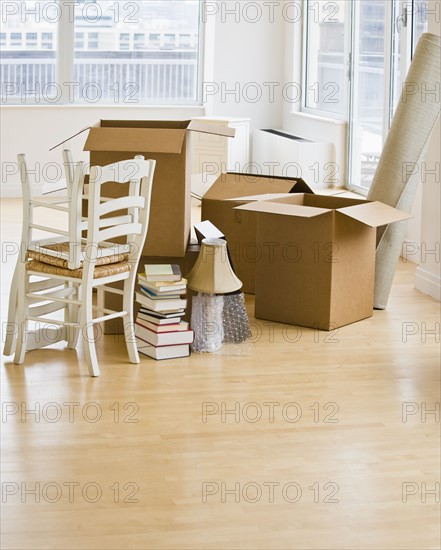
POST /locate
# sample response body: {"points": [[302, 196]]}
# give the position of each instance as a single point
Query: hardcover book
{"points": [[161, 305], [151, 317], [169, 327], [164, 352], [163, 338], [162, 272]]}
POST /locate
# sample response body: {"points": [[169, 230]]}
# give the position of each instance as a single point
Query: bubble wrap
{"points": [[221, 324]]}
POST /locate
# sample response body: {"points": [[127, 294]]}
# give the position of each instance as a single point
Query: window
{"points": [[355, 55], [93, 41], [138, 41], [123, 52], [31, 39], [169, 40], [79, 40], [16, 39], [185, 40], [154, 40], [325, 57]]}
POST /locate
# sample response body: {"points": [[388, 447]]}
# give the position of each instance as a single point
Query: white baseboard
{"points": [[428, 282]]}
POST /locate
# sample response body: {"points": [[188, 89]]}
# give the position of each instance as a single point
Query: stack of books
{"points": [[160, 331]]}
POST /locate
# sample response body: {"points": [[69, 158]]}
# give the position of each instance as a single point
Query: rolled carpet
{"points": [[398, 172]]}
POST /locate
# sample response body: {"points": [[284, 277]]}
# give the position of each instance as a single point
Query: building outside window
{"points": [[123, 51]]}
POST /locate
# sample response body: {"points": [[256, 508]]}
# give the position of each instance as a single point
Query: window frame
{"points": [[406, 37]]}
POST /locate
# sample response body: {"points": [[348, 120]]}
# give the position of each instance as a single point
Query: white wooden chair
{"points": [[30, 204], [62, 245], [102, 262]]}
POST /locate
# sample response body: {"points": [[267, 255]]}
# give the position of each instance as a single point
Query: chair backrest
{"points": [[71, 231], [138, 173], [69, 170], [26, 234]]}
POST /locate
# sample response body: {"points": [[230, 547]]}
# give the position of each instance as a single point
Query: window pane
{"points": [[419, 22], [325, 60], [368, 94], [28, 59], [133, 53]]}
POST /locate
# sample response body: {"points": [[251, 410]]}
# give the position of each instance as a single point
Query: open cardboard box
{"points": [[317, 258], [239, 227], [168, 142]]}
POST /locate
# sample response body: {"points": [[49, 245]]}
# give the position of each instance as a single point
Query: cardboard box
{"points": [[114, 302], [318, 258], [168, 142], [239, 227]]}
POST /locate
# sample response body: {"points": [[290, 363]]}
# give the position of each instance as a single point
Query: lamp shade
{"points": [[212, 272]]}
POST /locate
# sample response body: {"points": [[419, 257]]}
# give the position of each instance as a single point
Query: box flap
{"points": [[237, 185], [300, 186], [122, 123], [215, 129], [207, 230], [263, 197], [152, 140], [374, 213], [283, 209]]}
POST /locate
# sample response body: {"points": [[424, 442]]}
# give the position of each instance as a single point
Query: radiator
{"points": [[279, 153]]}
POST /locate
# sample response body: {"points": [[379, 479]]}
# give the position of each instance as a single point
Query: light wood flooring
{"points": [[129, 460]]}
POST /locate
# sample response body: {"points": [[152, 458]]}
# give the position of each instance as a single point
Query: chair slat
{"points": [[121, 204], [119, 231]]}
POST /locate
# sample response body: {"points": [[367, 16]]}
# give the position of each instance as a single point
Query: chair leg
{"points": [[22, 310], [11, 326], [88, 332], [129, 332], [72, 314]]}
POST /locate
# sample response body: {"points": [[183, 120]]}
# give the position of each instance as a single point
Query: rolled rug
{"points": [[397, 175]]}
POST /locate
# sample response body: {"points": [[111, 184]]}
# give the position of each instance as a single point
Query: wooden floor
{"points": [[299, 443]]}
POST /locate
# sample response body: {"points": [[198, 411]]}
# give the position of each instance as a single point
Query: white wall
{"points": [[248, 55], [33, 130], [428, 274]]}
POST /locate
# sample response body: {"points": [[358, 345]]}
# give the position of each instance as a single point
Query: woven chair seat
{"points": [[99, 271], [63, 248]]}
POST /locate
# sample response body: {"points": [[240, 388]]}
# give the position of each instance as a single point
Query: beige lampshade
{"points": [[212, 272]]}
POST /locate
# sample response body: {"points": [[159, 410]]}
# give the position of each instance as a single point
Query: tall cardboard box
{"points": [[318, 258], [239, 227], [167, 142]]}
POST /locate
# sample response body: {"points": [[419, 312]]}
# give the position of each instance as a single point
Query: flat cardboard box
{"points": [[114, 302], [239, 227], [168, 142], [318, 258]]}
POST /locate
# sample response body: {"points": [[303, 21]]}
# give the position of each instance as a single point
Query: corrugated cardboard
{"points": [[318, 258], [167, 142], [231, 190]]}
